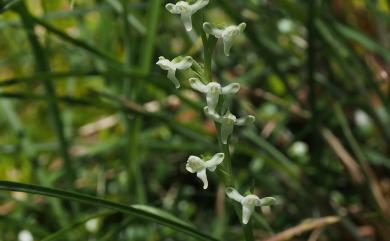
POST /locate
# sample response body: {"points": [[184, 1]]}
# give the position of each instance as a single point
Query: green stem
{"points": [[42, 66], [315, 151], [132, 126], [135, 126], [248, 233], [209, 45]]}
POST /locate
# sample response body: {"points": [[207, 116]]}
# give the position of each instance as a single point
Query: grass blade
{"points": [[138, 211]]}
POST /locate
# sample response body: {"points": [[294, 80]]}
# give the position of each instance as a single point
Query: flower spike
{"points": [[213, 90], [178, 63], [186, 10], [199, 166], [248, 202], [228, 121], [227, 34]]}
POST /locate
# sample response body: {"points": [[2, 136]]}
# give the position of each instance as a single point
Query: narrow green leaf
{"points": [[283, 162], [362, 39], [148, 213]]}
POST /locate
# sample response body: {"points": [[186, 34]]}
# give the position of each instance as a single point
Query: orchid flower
{"points": [[248, 202], [228, 121], [199, 166], [213, 90], [178, 63], [227, 34], [186, 10]]}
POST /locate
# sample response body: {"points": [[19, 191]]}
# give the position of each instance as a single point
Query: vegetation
{"points": [[94, 137]]}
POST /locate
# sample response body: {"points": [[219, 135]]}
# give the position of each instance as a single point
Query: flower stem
{"points": [[209, 44]]}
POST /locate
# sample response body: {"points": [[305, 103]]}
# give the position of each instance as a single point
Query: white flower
{"points": [[25, 235], [248, 202], [213, 90], [228, 121], [227, 34], [92, 225], [196, 164], [186, 10], [178, 63]]}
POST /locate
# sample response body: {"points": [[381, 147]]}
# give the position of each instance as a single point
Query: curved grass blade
{"points": [[6, 5], [142, 212]]}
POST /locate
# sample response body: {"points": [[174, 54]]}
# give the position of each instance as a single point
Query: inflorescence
{"points": [[214, 92]]}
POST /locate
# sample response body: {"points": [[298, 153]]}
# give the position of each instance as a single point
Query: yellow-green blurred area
{"points": [[84, 108]]}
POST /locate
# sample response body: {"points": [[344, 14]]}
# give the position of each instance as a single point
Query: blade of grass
{"points": [[141, 212], [306, 226], [270, 55], [284, 164], [315, 150], [135, 126], [372, 184], [42, 65], [131, 134]]}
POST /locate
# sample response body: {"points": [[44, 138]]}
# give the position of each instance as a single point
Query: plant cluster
{"points": [[218, 99]]}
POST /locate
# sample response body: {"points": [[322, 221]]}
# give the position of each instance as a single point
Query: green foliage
{"points": [[88, 118]]}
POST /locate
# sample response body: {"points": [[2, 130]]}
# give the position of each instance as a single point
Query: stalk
{"points": [[209, 44], [43, 66], [135, 126], [132, 126]]}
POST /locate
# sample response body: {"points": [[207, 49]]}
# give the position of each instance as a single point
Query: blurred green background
{"points": [[83, 107]]}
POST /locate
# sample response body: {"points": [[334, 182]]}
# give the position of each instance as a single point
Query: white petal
{"points": [[251, 200], [231, 89], [233, 194], [212, 115], [202, 176], [227, 45], [215, 161], [198, 5], [164, 63], [245, 121], [246, 213], [242, 27], [267, 201], [210, 29], [184, 63], [212, 100], [172, 77], [226, 131], [229, 35], [172, 8], [195, 164], [198, 85], [187, 21]]}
